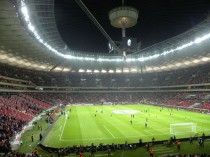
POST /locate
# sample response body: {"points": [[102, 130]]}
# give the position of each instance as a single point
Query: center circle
{"points": [[125, 111]]}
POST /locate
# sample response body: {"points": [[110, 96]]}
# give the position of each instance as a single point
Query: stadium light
{"points": [[32, 29], [187, 62], [111, 71], [156, 68], [118, 71], [196, 61], [125, 70], [58, 69], [148, 69], [170, 66], [163, 67], [66, 70], [133, 69], [81, 70], [43, 67], [178, 64], [131, 59], [96, 71], [103, 71], [88, 71], [205, 59]]}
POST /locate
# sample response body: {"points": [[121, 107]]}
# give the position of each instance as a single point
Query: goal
{"points": [[181, 128]]}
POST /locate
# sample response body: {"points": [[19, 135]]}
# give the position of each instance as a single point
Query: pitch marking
{"points": [[149, 132], [108, 131], [63, 128]]}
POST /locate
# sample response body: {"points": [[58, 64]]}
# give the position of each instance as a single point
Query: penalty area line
{"points": [[108, 131]]}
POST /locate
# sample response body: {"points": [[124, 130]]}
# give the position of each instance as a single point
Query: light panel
{"points": [[205, 59], [111, 71], [103, 71], [88, 71], [133, 69], [178, 64], [149, 69], [96, 71], [3, 56], [170, 66], [156, 68], [187, 62], [163, 67], [118, 71], [43, 67], [66, 70], [125, 70], [81, 70], [196, 61], [58, 69]]}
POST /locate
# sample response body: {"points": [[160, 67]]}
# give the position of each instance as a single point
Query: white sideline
{"points": [[108, 131], [63, 128]]}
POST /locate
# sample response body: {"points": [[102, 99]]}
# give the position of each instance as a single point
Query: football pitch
{"points": [[84, 125]]}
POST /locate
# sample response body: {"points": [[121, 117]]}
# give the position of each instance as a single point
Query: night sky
{"points": [[158, 20]]}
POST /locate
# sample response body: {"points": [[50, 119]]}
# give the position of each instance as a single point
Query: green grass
{"points": [[28, 146], [83, 128]]}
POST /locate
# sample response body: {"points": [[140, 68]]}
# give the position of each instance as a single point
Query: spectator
{"points": [[151, 152], [178, 145]]}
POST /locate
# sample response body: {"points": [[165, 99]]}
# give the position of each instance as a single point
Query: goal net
{"points": [[181, 128]]}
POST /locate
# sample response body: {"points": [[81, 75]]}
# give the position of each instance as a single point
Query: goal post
{"points": [[181, 128]]}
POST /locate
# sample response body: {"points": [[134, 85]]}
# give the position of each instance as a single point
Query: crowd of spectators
{"points": [[100, 98], [197, 100], [9, 127], [197, 75], [15, 111], [21, 106]]}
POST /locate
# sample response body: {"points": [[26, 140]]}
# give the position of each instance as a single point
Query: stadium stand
{"points": [[205, 105], [197, 75], [15, 111], [21, 106], [8, 128], [187, 103]]}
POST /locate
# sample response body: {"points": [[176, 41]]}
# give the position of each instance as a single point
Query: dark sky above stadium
{"points": [[158, 20]]}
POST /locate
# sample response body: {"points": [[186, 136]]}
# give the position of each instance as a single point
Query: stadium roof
{"points": [[31, 36]]}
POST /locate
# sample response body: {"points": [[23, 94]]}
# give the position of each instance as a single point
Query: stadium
{"points": [[121, 78]]}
